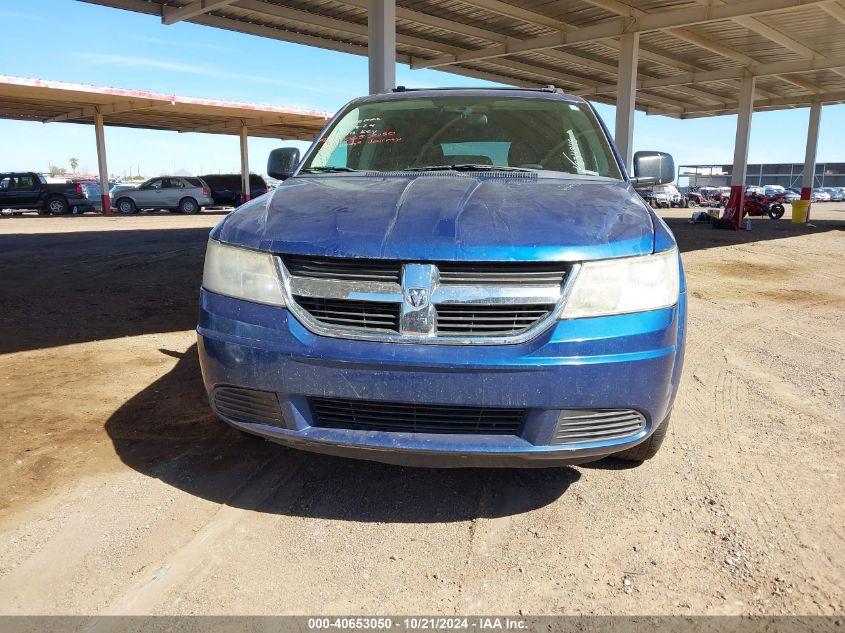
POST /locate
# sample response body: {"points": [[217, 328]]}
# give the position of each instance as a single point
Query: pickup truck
{"points": [[453, 278], [29, 190]]}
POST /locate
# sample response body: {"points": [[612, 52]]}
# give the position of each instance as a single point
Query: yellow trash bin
{"points": [[800, 208]]}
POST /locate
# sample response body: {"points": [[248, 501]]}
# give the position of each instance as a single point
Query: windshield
{"points": [[468, 133]]}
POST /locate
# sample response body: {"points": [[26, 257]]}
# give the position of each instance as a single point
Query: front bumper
{"points": [[619, 362]]}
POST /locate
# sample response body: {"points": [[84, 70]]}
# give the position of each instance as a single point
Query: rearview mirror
{"points": [[653, 168], [282, 162]]}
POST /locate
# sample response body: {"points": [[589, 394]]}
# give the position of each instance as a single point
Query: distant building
{"points": [[784, 174]]}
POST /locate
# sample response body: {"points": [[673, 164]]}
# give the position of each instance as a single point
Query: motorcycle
{"points": [[759, 204]]}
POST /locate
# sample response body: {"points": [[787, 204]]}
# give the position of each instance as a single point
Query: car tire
{"points": [[189, 206], [56, 205], [648, 449], [126, 206], [692, 203]]}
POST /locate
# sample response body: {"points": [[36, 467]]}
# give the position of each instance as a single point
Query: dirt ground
{"points": [[123, 494]]}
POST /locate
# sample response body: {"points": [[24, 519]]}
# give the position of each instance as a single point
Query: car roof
{"points": [[401, 93]]}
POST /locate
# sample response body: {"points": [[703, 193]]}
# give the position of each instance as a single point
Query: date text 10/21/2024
{"points": [[418, 624]]}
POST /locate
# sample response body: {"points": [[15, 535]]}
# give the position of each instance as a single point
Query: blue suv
{"points": [[461, 277]]}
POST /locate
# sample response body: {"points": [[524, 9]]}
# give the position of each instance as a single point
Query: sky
{"points": [[129, 50]]}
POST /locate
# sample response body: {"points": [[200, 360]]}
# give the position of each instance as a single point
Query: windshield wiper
{"points": [[324, 169], [467, 167]]}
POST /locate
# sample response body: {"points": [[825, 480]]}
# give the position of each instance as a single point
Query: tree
{"points": [[74, 163], [55, 170]]}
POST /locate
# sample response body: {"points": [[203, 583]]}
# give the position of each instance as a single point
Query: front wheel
{"points": [[776, 211], [692, 203], [57, 206], [126, 206], [648, 449], [189, 206]]}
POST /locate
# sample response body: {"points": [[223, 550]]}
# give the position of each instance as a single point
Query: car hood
{"points": [[437, 216]]}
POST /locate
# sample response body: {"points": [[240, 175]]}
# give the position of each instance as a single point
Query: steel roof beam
{"points": [[90, 111], [171, 15], [620, 26], [834, 9], [804, 101], [724, 74], [755, 25]]}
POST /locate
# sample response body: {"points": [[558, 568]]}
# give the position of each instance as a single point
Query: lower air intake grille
{"points": [[467, 319], [370, 315], [248, 405], [360, 415], [576, 427]]}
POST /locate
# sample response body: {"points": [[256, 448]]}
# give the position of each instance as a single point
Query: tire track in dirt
{"points": [[149, 590]]}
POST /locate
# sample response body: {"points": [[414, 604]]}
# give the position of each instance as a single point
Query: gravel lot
{"points": [[123, 494]]}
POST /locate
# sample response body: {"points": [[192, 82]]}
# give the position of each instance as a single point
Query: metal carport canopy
{"points": [[26, 99], [692, 54]]}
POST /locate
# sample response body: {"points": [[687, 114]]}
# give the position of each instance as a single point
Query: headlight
{"points": [[242, 274], [629, 284]]}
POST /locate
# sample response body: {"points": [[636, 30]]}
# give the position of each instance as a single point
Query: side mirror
{"points": [[653, 168], [282, 162]]}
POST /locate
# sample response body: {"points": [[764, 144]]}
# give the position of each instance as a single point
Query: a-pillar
{"points": [[626, 95], [99, 132], [381, 45], [734, 210], [809, 173]]}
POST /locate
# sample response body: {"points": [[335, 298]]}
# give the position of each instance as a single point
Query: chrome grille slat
{"points": [[472, 318], [375, 315], [502, 273], [350, 269], [445, 302]]}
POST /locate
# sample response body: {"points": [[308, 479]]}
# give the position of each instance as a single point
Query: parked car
{"points": [[226, 189], [174, 193], [836, 194], [30, 190], [517, 305], [820, 195], [656, 198], [122, 186], [91, 189]]}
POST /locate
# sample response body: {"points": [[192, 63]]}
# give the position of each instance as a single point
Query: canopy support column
{"points": [[626, 96], [734, 210], [381, 45], [809, 173], [245, 188], [99, 132]]}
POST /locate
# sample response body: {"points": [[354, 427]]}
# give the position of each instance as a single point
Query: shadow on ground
{"points": [[694, 237], [167, 431], [63, 288]]}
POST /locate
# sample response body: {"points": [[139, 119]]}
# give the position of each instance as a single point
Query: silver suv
{"points": [[174, 193]]}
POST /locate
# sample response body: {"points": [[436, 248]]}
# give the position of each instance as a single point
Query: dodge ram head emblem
{"points": [[417, 297]]}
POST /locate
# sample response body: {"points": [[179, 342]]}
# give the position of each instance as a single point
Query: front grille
{"points": [[370, 315], [575, 427], [358, 415], [248, 405], [504, 274], [467, 319], [448, 302], [344, 269]]}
